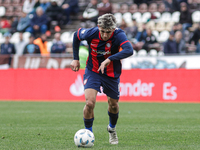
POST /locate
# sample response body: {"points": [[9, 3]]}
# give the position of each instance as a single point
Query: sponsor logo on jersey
{"points": [[108, 44], [101, 53]]}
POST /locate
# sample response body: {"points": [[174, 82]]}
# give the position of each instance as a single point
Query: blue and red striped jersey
{"points": [[99, 49]]}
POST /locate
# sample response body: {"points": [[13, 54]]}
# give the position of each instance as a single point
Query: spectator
{"points": [[7, 47], [175, 46], [140, 38], [132, 30], [115, 8], [153, 7], [91, 12], [44, 4], [123, 25], [143, 8], [150, 41], [28, 6], [24, 22], [54, 13], [19, 47], [58, 46], [42, 43], [193, 5], [69, 7], [14, 23], [198, 47], [31, 48], [176, 27], [185, 17], [180, 43], [170, 45], [4, 25], [171, 5], [196, 36], [194, 40], [38, 22], [133, 8], [124, 8], [161, 8], [104, 7]]}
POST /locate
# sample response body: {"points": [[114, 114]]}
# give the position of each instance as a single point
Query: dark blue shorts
{"points": [[95, 81]]}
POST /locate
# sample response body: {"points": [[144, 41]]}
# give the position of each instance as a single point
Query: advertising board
{"points": [[176, 85]]}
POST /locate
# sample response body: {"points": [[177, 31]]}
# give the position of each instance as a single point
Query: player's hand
{"points": [[104, 64], [75, 65]]}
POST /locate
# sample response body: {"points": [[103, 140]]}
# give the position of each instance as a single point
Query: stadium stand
{"points": [[175, 16], [2, 11], [153, 14], [153, 7], [127, 17], [153, 52], [146, 16], [142, 52]]}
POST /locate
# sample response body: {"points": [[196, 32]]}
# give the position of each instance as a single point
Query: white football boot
{"points": [[113, 139]]}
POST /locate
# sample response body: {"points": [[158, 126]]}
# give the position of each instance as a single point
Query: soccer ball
{"points": [[84, 138]]}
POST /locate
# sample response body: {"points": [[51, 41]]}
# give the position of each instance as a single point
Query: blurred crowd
{"points": [[144, 22], [167, 26]]}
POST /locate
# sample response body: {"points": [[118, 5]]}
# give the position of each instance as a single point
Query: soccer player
{"points": [[107, 46]]}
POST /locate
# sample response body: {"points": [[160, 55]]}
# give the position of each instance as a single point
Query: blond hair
{"points": [[107, 21]]}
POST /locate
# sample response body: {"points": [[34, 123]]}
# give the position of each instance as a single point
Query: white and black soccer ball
{"points": [[84, 138]]}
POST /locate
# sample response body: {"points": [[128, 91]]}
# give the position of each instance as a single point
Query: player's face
{"points": [[105, 33]]}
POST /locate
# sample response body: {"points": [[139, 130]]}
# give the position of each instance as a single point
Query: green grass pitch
{"points": [[141, 126]]}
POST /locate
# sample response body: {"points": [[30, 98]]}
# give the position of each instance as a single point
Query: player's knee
{"points": [[90, 105], [114, 106]]}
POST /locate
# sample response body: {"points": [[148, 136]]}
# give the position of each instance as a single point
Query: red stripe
{"points": [[109, 68], [124, 42], [95, 61], [78, 34], [87, 60]]}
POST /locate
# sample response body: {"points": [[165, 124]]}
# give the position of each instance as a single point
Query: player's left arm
{"points": [[127, 49], [103, 65]]}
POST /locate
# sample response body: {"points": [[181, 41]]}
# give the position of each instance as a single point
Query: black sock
{"points": [[88, 123], [112, 119]]}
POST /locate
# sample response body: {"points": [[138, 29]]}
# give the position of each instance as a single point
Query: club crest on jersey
{"points": [[108, 45]]}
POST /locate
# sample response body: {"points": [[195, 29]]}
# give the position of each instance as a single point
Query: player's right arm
{"points": [[81, 34], [75, 64]]}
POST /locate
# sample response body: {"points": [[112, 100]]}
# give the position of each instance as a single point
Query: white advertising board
{"points": [[162, 62]]}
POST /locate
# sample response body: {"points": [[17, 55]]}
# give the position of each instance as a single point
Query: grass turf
{"points": [[52, 125]]}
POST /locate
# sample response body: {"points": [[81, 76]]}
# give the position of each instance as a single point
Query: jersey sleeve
{"points": [[81, 34], [127, 49]]}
